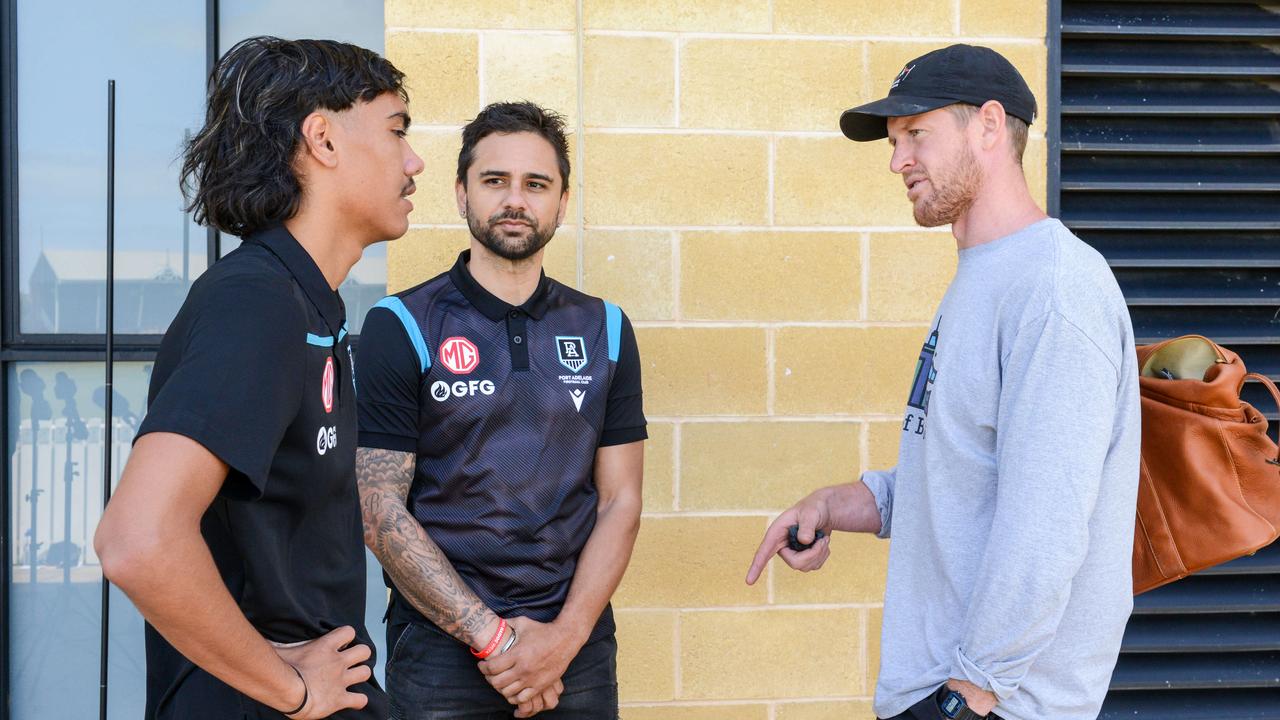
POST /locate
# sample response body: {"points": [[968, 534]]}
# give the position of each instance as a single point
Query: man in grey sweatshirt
{"points": [[1012, 504]]}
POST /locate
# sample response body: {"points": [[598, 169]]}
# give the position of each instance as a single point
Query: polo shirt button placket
{"points": [[515, 335]]}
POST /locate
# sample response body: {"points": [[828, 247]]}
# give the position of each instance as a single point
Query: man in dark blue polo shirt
{"points": [[236, 526], [501, 452]]}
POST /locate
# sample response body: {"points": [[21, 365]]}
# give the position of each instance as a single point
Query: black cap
{"points": [[956, 74]]}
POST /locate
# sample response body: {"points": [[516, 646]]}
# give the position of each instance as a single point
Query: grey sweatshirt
{"points": [[1012, 504]]}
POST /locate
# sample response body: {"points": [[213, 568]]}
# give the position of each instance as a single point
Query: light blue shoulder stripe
{"points": [[613, 326], [396, 305], [326, 340]]}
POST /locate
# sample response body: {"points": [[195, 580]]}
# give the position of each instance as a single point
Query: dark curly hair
{"points": [[237, 172], [514, 117]]}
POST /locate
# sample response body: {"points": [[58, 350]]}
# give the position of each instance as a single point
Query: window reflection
{"points": [[55, 463], [155, 50]]}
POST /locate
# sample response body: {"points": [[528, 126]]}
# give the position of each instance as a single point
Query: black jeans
{"points": [[431, 676], [927, 709]]}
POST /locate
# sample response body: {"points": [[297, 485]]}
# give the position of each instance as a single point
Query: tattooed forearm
{"points": [[422, 573]]}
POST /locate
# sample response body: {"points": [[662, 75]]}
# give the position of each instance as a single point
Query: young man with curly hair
{"points": [[236, 526]]}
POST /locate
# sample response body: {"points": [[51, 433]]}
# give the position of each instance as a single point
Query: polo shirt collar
{"points": [[492, 306], [298, 261]]}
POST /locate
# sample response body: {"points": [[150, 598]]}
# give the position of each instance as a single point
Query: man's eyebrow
{"points": [[540, 176], [404, 117], [494, 173]]}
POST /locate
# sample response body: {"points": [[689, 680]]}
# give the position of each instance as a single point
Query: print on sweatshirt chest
{"points": [[473, 372], [922, 385]]}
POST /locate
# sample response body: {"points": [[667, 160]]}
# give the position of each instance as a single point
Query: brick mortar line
{"points": [[580, 201], [705, 35], [863, 622], [758, 228], [772, 160], [786, 36], [775, 324], [770, 587], [678, 666], [480, 66], [815, 607], [727, 228], [428, 128], [709, 419], [676, 89], [733, 132], [677, 276], [771, 367], [744, 701], [419, 30], [864, 447], [866, 75], [677, 443], [740, 514], [864, 302], [705, 131]]}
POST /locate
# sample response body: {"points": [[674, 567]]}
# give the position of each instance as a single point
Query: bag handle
{"points": [[1275, 393]]}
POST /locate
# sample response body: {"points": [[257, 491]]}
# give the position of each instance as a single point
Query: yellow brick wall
{"points": [[778, 286]]}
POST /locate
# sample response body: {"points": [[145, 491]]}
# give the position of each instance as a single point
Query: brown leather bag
{"points": [[1209, 489]]}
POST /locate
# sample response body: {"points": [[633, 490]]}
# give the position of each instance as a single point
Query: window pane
{"points": [[355, 21], [55, 496], [155, 50]]}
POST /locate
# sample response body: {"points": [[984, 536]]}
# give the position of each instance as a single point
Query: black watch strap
{"points": [[952, 705]]}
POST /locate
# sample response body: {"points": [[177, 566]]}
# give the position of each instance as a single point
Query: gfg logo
{"points": [[441, 390], [327, 439]]}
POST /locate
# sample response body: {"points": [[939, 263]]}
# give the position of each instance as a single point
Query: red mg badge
{"points": [[326, 385], [460, 355]]}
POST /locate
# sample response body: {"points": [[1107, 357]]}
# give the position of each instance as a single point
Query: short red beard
{"points": [[953, 194]]}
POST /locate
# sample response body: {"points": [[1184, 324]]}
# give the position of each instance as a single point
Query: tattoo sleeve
{"points": [[422, 573]]}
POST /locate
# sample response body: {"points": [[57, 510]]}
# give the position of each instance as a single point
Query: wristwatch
{"points": [[952, 705]]}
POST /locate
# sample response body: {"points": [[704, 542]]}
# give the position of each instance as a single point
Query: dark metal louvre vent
{"points": [[1170, 166]]}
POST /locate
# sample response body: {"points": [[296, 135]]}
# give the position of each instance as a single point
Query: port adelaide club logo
{"points": [[572, 352]]}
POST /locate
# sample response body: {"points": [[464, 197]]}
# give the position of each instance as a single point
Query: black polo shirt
{"points": [[256, 368], [505, 408]]}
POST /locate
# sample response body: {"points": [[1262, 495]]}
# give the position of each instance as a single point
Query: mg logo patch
{"points": [[459, 355], [572, 352], [326, 385]]}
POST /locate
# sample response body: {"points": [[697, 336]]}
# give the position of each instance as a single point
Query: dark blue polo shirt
{"points": [[505, 408], [256, 368]]}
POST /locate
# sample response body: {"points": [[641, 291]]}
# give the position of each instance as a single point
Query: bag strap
{"points": [[1275, 393]]}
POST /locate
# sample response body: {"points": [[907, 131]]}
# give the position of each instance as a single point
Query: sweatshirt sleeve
{"points": [[1057, 403], [880, 483]]}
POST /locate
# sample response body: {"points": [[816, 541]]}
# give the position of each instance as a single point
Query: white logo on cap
{"points": [[902, 76]]}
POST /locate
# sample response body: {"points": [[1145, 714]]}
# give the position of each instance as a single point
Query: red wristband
{"points": [[494, 643]]}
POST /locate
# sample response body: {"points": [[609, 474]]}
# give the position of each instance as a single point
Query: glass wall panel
{"points": [[155, 50], [54, 464]]}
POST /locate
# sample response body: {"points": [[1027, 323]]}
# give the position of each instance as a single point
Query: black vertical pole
{"points": [[213, 240], [109, 390]]}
